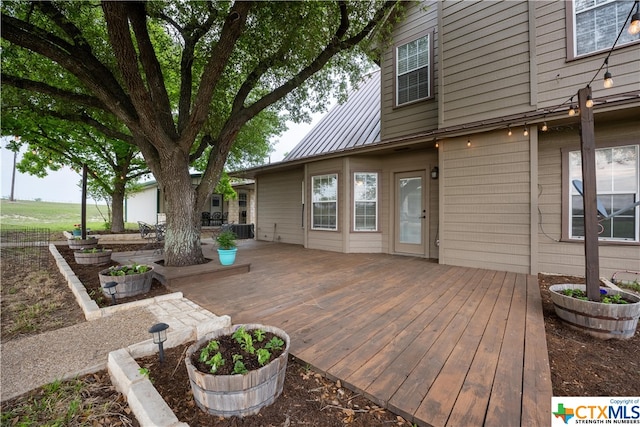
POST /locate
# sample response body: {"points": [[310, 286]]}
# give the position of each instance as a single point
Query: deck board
{"points": [[439, 345]]}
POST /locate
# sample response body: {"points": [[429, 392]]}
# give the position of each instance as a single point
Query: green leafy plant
{"points": [[263, 356], [208, 357], [125, 270], [245, 340], [226, 240], [238, 365], [606, 298], [275, 344], [145, 372], [259, 335]]}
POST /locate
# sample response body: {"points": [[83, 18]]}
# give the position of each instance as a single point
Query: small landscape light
{"points": [[111, 289], [159, 331]]}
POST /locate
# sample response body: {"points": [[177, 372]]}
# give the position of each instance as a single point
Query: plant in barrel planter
{"points": [[227, 247], [80, 243], [131, 279], [236, 371], [95, 256], [615, 316]]}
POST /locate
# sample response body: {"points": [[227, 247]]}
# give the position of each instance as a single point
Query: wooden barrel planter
{"points": [[127, 285], [238, 395], [82, 243], [99, 257], [598, 319]]}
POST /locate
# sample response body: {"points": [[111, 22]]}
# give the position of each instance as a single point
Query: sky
{"points": [[64, 185]]}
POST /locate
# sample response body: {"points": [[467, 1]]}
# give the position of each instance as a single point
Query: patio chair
{"points": [[206, 218], [153, 235], [216, 220]]}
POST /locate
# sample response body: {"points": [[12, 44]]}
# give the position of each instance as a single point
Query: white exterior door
{"points": [[410, 213]]}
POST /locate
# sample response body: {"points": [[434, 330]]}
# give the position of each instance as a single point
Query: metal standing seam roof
{"points": [[351, 124]]}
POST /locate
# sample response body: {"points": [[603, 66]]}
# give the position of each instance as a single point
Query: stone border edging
{"points": [[89, 307]]}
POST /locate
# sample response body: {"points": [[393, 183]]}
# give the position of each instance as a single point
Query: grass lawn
{"points": [[55, 216]]}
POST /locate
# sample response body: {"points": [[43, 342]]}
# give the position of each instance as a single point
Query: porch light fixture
{"points": [[434, 173], [608, 81], [159, 331], [589, 102], [634, 27], [572, 109], [111, 289]]}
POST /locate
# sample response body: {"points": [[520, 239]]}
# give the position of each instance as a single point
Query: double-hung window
{"points": [[325, 202], [618, 186], [413, 64], [365, 201], [596, 24]]}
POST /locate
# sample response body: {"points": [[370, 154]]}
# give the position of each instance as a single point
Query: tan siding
{"points": [[421, 116], [486, 194], [559, 79], [568, 257], [279, 212], [485, 60]]}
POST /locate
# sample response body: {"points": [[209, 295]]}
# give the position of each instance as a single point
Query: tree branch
{"points": [[151, 66], [39, 87]]}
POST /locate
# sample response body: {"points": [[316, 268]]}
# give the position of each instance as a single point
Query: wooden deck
{"points": [[439, 345]]}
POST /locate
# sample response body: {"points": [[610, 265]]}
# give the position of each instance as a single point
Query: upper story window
{"points": [[413, 70], [324, 202], [365, 201], [618, 186], [596, 24]]}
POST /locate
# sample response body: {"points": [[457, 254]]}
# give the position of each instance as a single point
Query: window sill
{"points": [[603, 242]]}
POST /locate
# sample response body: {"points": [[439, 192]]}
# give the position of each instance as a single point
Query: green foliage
{"points": [[606, 298], [226, 240], [211, 356], [243, 338], [263, 356], [275, 344], [613, 299], [126, 270], [238, 365], [259, 335]]}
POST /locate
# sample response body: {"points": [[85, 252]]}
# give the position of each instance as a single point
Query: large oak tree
{"points": [[184, 78]]}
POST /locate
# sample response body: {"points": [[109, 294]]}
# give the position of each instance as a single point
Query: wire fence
{"points": [[26, 246]]}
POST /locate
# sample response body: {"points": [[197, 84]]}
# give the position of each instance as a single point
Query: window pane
{"points": [[618, 186], [365, 201], [413, 70], [325, 202], [597, 24]]}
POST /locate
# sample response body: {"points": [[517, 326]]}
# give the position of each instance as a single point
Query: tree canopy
{"points": [[182, 80]]}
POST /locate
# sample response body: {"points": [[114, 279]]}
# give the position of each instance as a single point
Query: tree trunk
{"points": [[117, 207], [182, 238]]}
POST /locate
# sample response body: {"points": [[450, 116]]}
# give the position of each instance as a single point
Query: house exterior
{"points": [[148, 204], [461, 148]]}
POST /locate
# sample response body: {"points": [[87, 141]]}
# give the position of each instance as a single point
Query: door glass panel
{"points": [[410, 210]]}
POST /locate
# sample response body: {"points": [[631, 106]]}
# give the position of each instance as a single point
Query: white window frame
{"points": [[578, 13], [423, 40], [324, 201], [575, 172], [360, 187]]}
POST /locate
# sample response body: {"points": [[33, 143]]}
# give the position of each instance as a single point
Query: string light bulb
{"points": [[509, 133], [545, 127], [634, 27], [572, 111], [526, 130], [468, 143], [608, 81], [589, 102], [437, 145]]}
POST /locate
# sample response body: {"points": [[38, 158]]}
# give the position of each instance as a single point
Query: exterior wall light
{"points": [[434, 173]]}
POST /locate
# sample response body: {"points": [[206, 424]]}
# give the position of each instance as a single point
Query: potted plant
{"points": [[615, 316], [95, 255], [236, 371], [131, 279], [227, 247], [79, 243]]}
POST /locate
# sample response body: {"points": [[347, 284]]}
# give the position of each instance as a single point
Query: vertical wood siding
{"points": [[485, 60], [279, 207], [486, 202], [568, 257], [559, 79], [419, 116]]}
